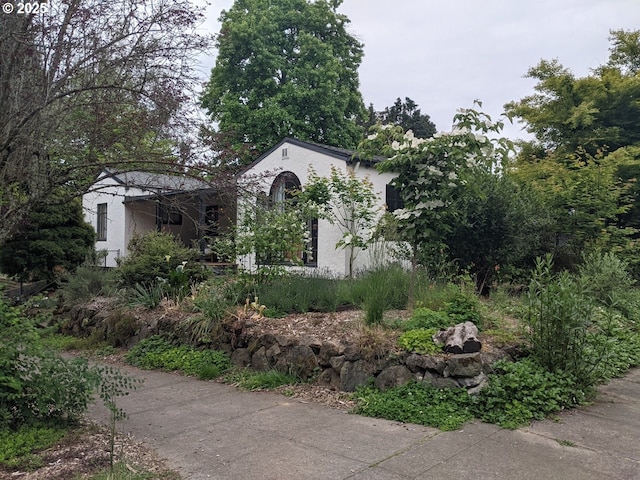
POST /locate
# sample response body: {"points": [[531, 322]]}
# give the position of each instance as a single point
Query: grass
{"points": [[20, 446]]}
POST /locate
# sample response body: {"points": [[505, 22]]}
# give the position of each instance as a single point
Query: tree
{"points": [[348, 202], [53, 236], [594, 112], [408, 116], [285, 68], [91, 84], [434, 172]]}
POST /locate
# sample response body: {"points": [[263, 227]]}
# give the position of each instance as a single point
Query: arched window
{"points": [[283, 188]]}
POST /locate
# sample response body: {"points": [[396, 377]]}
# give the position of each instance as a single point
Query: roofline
{"points": [[349, 158]]}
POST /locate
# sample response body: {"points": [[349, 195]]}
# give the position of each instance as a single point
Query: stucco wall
{"points": [[298, 161]]}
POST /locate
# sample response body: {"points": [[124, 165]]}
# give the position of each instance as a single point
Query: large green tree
{"points": [[598, 111], [285, 68]]}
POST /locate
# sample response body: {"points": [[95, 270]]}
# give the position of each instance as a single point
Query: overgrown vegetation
{"points": [[157, 352]]}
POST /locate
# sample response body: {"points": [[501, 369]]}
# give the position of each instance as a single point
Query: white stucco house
{"points": [[122, 205], [287, 166]]}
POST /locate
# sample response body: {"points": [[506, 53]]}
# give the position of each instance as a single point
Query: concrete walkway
{"points": [[212, 431]]}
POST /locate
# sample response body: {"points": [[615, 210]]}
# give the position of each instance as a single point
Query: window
{"points": [[393, 199], [285, 153], [283, 190], [170, 215], [101, 227]]}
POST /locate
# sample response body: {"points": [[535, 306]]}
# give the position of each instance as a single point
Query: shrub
{"points": [[36, 384], [419, 341], [84, 284], [464, 307], [559, 319], [160, 255], [606, 277]]}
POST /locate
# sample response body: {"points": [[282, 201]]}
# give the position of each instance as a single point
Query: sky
{"points": [[444, 54]]}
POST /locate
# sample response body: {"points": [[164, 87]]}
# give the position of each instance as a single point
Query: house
{"points": [[286, 166], [122, 205]]}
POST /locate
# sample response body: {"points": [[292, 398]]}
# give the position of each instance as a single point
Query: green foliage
{"points": [[84, 284], [157, 352], [286, 68], [158, 255], [147, 295], [523, 391], [606, 278], [54, 237], [435, 295], [405, 114], [252, 380], [380, 289], [446, 409], [419, 341], [427, 318], [434, 173], [560, 322], [19, 445], [590, 112], [299, 294], [464, 307]]}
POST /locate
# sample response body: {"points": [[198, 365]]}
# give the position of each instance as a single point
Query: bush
{"points": [[464, 307], [83, 285], [159, 255], [559, 319], [36, 384]]}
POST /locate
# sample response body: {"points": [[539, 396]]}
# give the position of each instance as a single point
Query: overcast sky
{"points": [[444, 54]]}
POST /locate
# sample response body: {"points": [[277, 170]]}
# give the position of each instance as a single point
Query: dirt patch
{"points": [[85, 451]]}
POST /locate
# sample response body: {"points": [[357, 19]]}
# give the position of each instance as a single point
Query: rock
{"points": [[471, 382], [352, 353], [241, 358], [393, 376], [302, 361], [355, 374], [329, 378], [259, 360], [312, 342], [327, 350], [337, 363], [440, 382], [463, 365], [489, 358], [416, 362]]}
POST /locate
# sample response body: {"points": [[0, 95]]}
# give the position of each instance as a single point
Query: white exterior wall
{"points": [[299, 160], [120, 227]]}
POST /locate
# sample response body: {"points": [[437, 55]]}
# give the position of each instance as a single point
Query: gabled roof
{"points": [[344, 154], [157, 182]]}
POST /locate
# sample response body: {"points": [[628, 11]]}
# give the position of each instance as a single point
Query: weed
{"points": [[565, 443], [447, 409], [19, 445], [427, 318], [419, 341]]}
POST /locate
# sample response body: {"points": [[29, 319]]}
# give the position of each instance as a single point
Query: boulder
{"points": [[355, 374], [393, 376]]}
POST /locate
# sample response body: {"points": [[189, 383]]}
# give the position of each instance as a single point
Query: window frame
{"points": [[101, 222]]}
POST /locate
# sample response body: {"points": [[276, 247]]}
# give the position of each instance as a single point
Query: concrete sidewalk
{"points": [[212, 431]]}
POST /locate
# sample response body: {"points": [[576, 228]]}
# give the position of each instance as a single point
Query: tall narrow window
{"points": [[393, 199], [101, 227]]}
